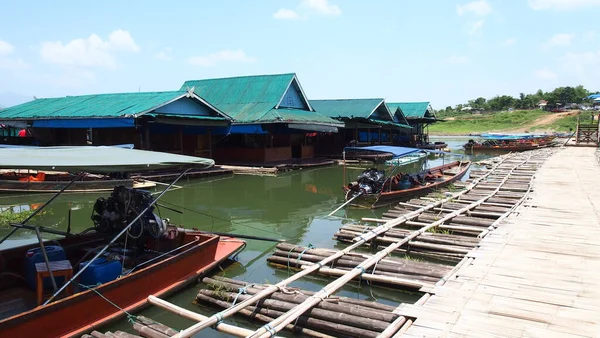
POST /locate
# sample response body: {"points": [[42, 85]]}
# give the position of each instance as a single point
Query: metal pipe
{"points": [[116, 237], [39, 236], [36, 211], [343, 205]]}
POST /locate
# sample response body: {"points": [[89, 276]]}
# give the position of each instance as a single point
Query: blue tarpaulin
{"points": [[396, 151], [247, 129], [85, 123]]}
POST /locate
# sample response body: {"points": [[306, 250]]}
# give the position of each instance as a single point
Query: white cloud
{"points": [[562, 39], [478, 8], [13, 64], [122, 40], [6, 48], [456, 59], [322, 7], [165, 54], [306, 8], [476, 28], [7, 62], [545, 74], [509, 42], [92, 51], [562, 5], [286, 14], [224, 55]]}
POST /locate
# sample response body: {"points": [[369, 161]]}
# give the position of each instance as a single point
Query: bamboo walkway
{"points": [[536, 274]]}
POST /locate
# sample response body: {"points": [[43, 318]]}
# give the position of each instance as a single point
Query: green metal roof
{"points": [[251, 99], [346, 108], [391, 123], [398, 115], [92, 106], [414, 110]]}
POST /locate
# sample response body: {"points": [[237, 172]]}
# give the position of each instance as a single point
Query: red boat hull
{"points": [[86, 311]]}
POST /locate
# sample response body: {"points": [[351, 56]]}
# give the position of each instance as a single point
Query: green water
{"points": [[291, 206]]}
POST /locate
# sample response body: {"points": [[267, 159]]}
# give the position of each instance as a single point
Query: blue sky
{"points": [[445, 51]]}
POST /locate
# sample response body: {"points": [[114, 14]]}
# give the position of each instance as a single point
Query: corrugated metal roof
{"points": [[398, 115], [414, 110], [390, 123], [346, 108], [252, 99], [91, 106]]}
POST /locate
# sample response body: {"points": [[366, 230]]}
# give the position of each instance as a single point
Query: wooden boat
{"points": [[27, 181], [432, 146], [128, 254], [51, 181], [374, 188], [506, 145]]}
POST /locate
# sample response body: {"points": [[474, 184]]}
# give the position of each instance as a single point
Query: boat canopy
{"points": [[102, 159], [395, 151], [511, 136]]}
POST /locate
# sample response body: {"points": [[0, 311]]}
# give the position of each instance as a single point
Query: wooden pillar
{"points": [[210, 155], [147, 144], [181, 139], [380, 135]]}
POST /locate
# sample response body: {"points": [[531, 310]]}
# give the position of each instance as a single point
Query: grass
{"points": [[436, 230], [567, 123], [9, 217], [476, 123]]}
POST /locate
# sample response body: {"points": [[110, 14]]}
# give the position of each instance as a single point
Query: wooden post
{"points": [[210, 154], [147, 144], [577, 132], [181, 139]]}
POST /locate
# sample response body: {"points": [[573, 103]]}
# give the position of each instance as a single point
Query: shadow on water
{"points": [[291, 206]]}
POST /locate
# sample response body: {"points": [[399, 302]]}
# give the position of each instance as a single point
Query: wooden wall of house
{"points": [[113, 136]]}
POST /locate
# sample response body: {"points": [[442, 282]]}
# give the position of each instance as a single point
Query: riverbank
{"points": [[521, 121]]}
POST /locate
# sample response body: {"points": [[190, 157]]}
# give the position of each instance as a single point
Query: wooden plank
{"points": [[536, 275]]}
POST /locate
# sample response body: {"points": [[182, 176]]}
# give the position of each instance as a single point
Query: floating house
{"points": [[175, 121], [419, 115], [366, 122], [272, 119]]}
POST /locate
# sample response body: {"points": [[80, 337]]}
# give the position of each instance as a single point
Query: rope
{"points": [[269, 330], [362, 270], [219, 318], [243, 290], [130, 318], [310, 246]]}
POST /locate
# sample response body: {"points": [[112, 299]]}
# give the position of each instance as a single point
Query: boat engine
{"points": [[111, 215], [371, 180]]}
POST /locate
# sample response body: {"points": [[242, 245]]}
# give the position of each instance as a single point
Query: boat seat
{"points": [[59, 268]]}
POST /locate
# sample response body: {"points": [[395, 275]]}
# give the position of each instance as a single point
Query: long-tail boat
{"points": [[509, 142], [74, 284], [376, 188]]}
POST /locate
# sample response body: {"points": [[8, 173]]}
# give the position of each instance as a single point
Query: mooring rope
{"points": [[130, 317]]}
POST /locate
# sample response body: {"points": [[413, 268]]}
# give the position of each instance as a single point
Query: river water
{"points": [[292, 206]]}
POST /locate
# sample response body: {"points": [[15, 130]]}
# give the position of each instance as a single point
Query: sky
{"points": [[441, 51]]}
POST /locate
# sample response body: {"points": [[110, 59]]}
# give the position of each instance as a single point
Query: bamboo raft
{"points": [[465, 216]]}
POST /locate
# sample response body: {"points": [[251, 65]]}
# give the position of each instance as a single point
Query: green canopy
{"points": [[91, 159]]}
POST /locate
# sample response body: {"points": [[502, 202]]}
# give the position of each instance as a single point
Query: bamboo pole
{"points": [[298, 297], [222, 327], [215, 318], [356, 302], [261, 313], [278, 324]]}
